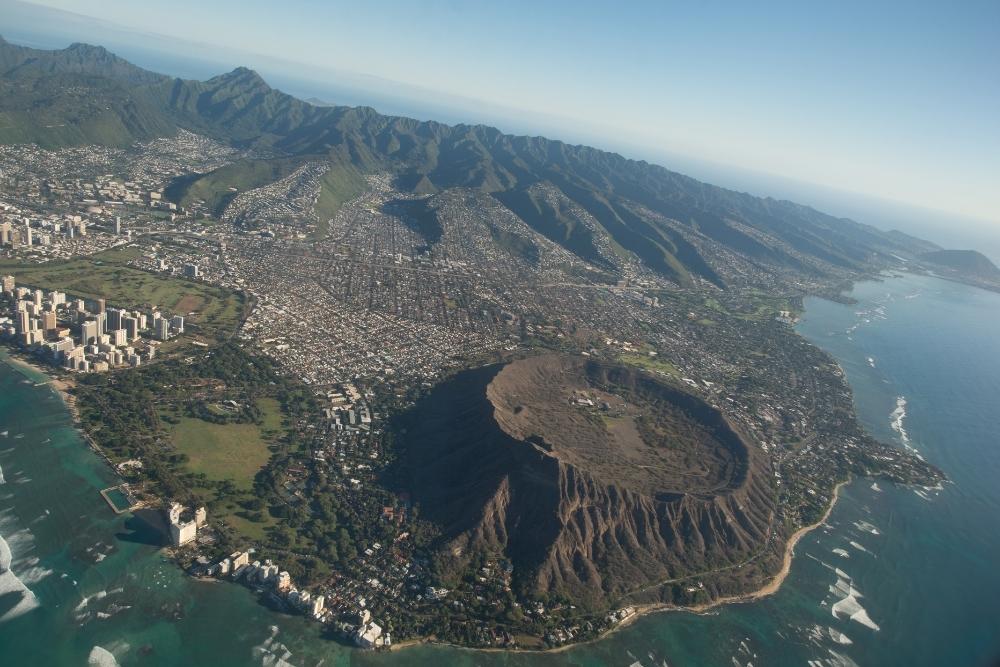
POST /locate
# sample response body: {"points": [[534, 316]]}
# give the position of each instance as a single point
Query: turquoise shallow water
{"points": [[922, 569]]}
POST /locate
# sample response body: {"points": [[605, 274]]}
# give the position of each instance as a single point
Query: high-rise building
{"points": [[192, 270], [162, 328], [100, 305], [89, 332], [48, 320], [23, 321], [177, 324], [27, 234], [131, 326], [114, 319], [8, 283], [5, 233], [102, 322], [118, 225], [119, 337], [181, 531]]}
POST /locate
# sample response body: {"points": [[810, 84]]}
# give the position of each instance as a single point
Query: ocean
{"points": [[896, 577]]}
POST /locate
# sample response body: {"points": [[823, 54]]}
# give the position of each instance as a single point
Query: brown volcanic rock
{"points": [[591, 501]]}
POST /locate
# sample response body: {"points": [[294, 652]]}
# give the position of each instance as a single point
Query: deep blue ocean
{"points": [[897, 577]]}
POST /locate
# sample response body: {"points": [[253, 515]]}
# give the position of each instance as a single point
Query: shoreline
{"points": [[770, 588], [62, 386]]}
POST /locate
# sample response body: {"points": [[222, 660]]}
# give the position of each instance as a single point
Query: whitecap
{"points": [[840, 660], [839, 637], [101, 657], [848, 606], [896, 421], [11, 585], [867, 527]]}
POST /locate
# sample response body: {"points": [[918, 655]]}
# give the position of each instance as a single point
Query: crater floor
{"points": [[622, 426]]}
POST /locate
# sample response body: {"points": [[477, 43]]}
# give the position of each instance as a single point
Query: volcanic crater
{"points": [[596, 479]]}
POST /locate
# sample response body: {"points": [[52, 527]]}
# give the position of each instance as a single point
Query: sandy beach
{"points": [[62, 386]]}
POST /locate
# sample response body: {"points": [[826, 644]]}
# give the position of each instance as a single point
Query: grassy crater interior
{"points": [[621, 425]]}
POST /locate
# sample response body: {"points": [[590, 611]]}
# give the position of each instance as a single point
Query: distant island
{"points": [[425, 382]]}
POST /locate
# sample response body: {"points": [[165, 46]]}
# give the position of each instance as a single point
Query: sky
{"points": [[897, 100]]}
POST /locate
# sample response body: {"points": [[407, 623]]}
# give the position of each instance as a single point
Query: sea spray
{"points": [[11, 586], [896, 419]]}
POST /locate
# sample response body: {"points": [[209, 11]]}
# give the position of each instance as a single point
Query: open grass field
{"points": [[652, 364], [215, 311], [234, 452], [254, 530]]}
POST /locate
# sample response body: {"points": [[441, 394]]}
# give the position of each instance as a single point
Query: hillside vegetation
{"points": [[599, 205]]}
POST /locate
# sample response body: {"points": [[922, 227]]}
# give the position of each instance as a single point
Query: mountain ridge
{"points": [[670, 223]]}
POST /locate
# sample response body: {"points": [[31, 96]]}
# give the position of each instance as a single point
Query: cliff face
{"points": [[566, 520]]}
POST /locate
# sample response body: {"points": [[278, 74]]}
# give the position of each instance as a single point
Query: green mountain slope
{"points": [[601, 206], [967, 262]]}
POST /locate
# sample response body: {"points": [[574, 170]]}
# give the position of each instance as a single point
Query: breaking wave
{"points": [[848, 604], [896, 419], [101, 657], [11, 585]]}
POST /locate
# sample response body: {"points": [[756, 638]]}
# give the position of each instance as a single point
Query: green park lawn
{"points": [[234, 452]]}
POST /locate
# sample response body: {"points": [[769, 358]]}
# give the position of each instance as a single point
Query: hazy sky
{"points": [[901, 100]]}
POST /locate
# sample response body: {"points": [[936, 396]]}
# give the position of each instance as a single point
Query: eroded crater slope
{"points": [[596, 479]]}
